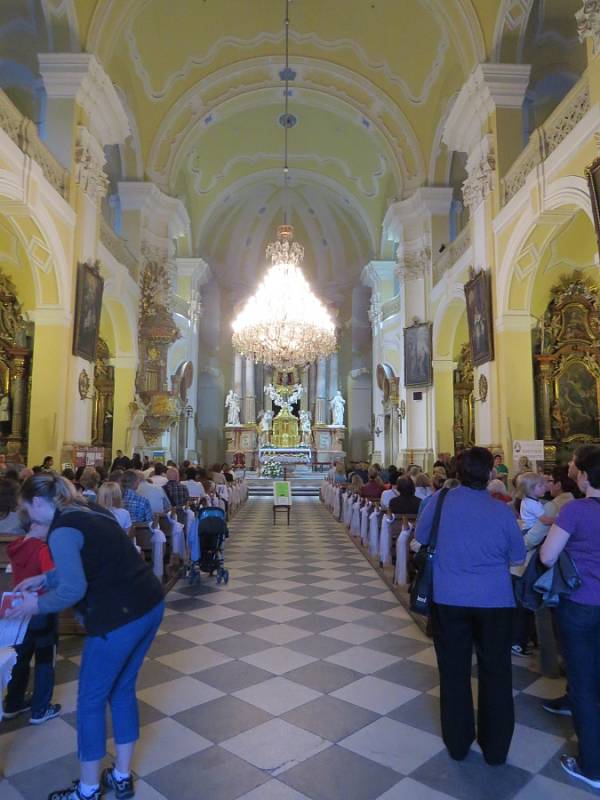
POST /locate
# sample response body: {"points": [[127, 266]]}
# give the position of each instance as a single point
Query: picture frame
{"points": [[592, 174], [418, 354], [478, 296], [88, 307]]}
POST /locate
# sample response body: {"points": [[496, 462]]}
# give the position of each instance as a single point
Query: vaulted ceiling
{"points": [[372, 82]]}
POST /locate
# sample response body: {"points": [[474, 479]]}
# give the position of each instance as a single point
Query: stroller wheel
{"points": [[219, 579], [226, 576]]}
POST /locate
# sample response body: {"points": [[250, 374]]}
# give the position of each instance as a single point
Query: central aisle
{"points": [[304, 678]]}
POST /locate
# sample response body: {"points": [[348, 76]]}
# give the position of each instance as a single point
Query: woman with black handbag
{"points": [[477, 541]]}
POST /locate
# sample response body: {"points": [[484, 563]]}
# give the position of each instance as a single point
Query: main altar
{"points": [[285, 439]]}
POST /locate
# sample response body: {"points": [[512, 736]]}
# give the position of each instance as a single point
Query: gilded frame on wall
{"points": [[418, 354], [478, 296], [592, 174], [88, 307]]}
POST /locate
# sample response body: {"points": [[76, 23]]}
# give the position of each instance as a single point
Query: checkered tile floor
{"points": [[303, 678]]}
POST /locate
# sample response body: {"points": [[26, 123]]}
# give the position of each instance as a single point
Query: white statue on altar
{"points": [[232, 404], [306, 427], [337, 405], [266, 426]]}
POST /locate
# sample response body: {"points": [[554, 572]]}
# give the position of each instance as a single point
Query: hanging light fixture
{"points": [[284, 324]]}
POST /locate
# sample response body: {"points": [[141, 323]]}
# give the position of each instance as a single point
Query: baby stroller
{"points": [[212, 532]]}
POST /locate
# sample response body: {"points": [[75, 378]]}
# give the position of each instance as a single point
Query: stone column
{"points": [[545, 395], [238, 374], [321, 407], [333, 375], [125, 370], [249, 406], [312, 388], [305, 404], [443, 385]]}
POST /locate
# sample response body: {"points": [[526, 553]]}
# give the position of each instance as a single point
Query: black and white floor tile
{"points": [[303, 678]]}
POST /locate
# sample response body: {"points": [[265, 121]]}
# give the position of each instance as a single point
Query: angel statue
{"points": [[337, 406], [138, 410], [232, 404], [306, 427], [266, 425]]}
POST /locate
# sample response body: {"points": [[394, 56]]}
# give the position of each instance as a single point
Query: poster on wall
{"points": [[418, 363], [88, 307], [478, 294]]}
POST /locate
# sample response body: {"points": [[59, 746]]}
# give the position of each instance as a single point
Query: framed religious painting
{"points": [[592, 173], [88, 307], [418, 362], [478, 294]]}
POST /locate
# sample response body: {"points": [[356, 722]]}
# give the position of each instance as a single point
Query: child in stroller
{"points": [[212, 531]]}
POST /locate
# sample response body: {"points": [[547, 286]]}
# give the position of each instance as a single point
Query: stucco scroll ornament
{"points": [[90, 161], [375, 309], [588, 22], [416, 264], [479, 183]]}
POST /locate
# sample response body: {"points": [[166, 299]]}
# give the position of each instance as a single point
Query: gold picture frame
{"points": [[592, 174]]}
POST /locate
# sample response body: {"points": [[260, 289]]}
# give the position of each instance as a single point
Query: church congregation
{"points": [[299, 399]]}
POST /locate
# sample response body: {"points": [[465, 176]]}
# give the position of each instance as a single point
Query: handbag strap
{"points": [[435, 525]]}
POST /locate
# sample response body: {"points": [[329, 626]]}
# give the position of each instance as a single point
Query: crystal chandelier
{"points": [[284, 324]]}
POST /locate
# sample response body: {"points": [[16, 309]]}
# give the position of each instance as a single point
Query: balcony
{"points": [[446, 260], [24, 134], [119, 249], [545, 139]]}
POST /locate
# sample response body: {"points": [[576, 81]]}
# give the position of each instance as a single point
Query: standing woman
{"points": [[120, 604], [577, 531], [473, 607]]}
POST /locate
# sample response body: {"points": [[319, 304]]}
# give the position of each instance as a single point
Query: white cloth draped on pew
{"points": [[374, 520], [400, 575], [337, 504], [385, 540], [355, 521], [364, 522], [348, 510], [158, 552]]}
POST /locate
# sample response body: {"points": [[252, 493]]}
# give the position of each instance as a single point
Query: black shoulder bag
{"points": [[421, 590]]}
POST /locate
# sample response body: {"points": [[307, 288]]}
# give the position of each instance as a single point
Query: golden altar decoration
{"points": [[285, 429]]}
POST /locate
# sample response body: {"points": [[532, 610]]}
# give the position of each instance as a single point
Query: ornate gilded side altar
{"points": [[567, 366]]}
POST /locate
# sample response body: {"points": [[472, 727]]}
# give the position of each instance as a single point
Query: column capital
{"points": [[195, 268], [588, 23], [81, 77], [376, 272], [481, 166], [489, 86]]}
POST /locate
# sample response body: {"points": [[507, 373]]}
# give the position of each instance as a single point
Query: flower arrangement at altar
{"points": [[272, 469]]}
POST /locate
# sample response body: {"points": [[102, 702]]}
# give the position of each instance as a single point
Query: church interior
{"points": [[425, 175]]}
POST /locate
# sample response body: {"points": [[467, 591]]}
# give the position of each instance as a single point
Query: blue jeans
{"points": [[109, 669], [579, 627]]}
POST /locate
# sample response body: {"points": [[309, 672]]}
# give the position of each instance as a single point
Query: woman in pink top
{"points": [[373, 488]]}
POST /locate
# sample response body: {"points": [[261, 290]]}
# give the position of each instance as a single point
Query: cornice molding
{"points": [[490, 86], [81, 77], [426, 202], [156, 207], [195, 268]]}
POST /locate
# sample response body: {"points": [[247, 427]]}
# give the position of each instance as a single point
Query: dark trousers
{"points": [[456, 630], [579, 627], [39, 643]]}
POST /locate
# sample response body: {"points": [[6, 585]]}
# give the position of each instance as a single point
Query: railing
{"points": [[545, 139], [180, 306], [451, 254], [24, 134], [118, 247], [391, 307]]}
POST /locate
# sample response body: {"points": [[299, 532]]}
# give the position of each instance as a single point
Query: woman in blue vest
{"points": [[120, 604]]}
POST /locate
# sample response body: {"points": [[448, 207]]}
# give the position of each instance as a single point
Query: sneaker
{"points": [[570, 766], [123, 789], [74, 793], [52, 711], [561, 706], [518, 650], [25, 706]]}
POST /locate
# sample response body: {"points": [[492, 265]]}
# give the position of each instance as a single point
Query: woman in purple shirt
{"points": [[577, 531], [478, 539]]}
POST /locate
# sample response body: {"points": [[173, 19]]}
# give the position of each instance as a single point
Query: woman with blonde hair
{"points": [[111, 498], [356, 484], [120, 604], [339, 476]]}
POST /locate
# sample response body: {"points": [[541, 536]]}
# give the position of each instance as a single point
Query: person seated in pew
{"points": [[139, 508], [110, 497], [175, 490], [10, 521], [159, 502], [194, 487], [406, 502], [373, 488]]}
